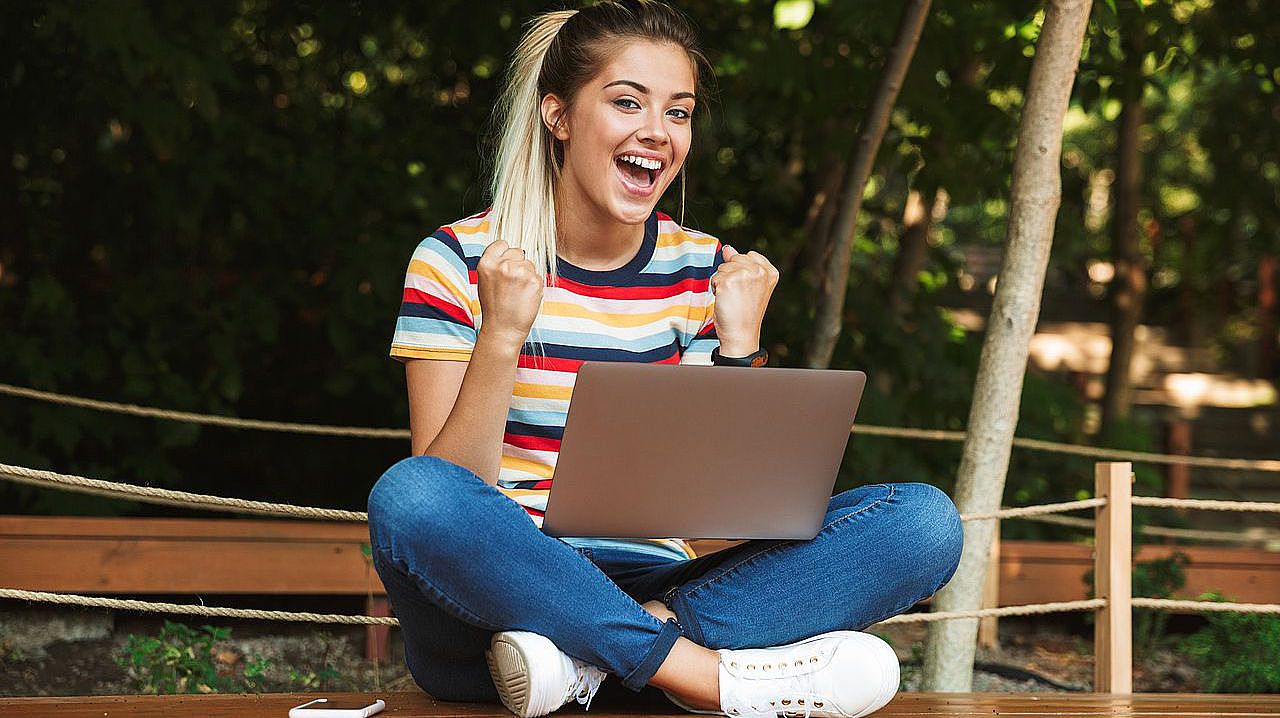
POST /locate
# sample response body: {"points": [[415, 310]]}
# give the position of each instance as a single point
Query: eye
{"points": [[679, 113], [627, 103]]}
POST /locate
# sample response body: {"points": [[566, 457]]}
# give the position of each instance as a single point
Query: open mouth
{"points": [[640, 172]]}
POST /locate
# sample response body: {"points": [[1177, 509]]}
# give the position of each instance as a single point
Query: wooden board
{"points": [[254, 556], [418, 705], [1043, 571]]}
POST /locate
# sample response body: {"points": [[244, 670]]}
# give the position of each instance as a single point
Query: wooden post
{"points": [[377, 639], [988, 628], [1112, 571], [1178, 476]]}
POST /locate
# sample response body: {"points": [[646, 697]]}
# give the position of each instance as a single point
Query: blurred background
{"points": [[210, 207]]}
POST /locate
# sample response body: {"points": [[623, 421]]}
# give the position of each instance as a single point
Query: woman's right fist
{"points": [[510, 290]]}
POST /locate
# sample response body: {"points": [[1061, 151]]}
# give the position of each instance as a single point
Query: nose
{"points": [[653, 131]]}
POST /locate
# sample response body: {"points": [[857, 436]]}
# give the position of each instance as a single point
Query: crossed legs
{"points": [[461, 561]]}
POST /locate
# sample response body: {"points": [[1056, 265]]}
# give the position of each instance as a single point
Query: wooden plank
{"points": [[141, 556], [1042, 571], [1113, 575], [619, 703], [186, 566]]}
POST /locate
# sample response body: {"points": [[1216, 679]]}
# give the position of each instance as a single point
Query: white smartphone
{"points": [[338, 708]]}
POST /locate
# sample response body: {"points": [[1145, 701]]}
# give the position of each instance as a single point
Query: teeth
{"points": [[642, 162]]}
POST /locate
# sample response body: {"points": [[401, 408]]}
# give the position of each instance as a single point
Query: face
{"points": [[627, 132]]}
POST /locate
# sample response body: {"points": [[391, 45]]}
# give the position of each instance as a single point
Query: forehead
{"points": [[662, 67]]}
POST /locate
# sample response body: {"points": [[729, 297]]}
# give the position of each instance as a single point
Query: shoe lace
{"points": [[797, 697], [585, 683]]}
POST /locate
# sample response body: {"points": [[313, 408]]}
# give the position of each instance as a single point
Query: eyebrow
{"points": [[644, 90]]}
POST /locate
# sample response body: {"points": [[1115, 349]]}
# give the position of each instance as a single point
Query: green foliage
{"points": [[1237, 652], [210, 206], [1158, 578], [179, 660]]}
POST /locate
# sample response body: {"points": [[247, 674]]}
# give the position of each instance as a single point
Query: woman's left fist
{"points": [[742, 286]]}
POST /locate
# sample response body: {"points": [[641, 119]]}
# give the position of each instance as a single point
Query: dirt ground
{"points": [[1033, 656]]}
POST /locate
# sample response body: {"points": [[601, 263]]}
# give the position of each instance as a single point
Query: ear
{"points": [[554, 117]]}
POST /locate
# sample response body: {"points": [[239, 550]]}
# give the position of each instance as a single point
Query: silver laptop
{"points": [[661, 450]]}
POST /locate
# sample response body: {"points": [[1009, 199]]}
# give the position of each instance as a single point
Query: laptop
{"points": [[663, 450]]}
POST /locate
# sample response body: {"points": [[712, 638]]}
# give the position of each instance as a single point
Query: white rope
{"points": [[1256, 536], [1027, 610], [185, 499], [390, 433], [1096, 452], [1208, 504], [1169, 604], [1039, 510], [68, 599], [169, 497], [127, 604], [209, 419]]}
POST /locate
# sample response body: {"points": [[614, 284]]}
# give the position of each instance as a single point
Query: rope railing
{"points": [[232, 422], [1270, 465], [189, 609], [1176, 605], [1114, 607], [1257, 536], [1208, 504], [169, 497], [189, 500], [127, 604]]}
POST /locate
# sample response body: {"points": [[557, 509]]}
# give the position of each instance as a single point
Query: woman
{"points": [[572, 263]]}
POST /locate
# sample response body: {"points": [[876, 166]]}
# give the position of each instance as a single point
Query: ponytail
{"points": [[524, 208]]}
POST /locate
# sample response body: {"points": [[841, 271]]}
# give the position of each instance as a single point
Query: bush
{"points": [[180, 660], [1237, 652]]}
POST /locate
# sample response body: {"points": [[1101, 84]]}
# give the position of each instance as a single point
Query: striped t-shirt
{"points": [[657, 309]]}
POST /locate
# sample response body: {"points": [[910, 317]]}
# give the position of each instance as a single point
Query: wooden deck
{"points": [[409, 705]]}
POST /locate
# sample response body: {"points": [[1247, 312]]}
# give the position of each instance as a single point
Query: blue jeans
{"points": [[460, 561]]}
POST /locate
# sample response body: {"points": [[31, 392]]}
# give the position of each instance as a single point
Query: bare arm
{"points": [[458, 410]]}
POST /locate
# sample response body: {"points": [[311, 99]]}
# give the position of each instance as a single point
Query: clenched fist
{"points": [[510, 290], [742, 286]]}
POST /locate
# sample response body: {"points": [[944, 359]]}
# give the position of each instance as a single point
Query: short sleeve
{"points": [[704, 337], [436, 320]]}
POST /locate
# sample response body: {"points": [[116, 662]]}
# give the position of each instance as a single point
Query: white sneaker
{"points": [[841, 674], [533, 677]]}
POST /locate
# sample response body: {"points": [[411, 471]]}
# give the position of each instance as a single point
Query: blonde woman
{"points": [[570, 264]]}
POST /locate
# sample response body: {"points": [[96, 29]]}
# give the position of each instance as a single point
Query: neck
{"points": [[588, 237]]}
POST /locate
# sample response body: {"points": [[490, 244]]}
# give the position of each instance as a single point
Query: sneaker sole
{"points": [[509, 669]]}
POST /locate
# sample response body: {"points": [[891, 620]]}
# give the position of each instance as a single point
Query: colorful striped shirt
{"points": [[658, 308]]}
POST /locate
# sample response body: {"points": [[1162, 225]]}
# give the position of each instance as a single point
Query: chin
{"points": [[632, 214]]}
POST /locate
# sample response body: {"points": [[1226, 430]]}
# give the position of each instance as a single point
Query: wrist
{"points": [[739, 346], [499, 343]]}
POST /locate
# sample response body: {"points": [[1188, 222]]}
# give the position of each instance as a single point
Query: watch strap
{"points": [[759, 358]]}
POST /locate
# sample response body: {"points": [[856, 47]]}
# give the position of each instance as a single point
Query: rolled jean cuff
{"points": [[638, 678]]}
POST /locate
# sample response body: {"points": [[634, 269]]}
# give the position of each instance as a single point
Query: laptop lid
{"points": [[661, 450]]}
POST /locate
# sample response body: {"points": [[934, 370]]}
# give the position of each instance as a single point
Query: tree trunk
{"points": [[1267, 306], [830, 306], [1129, 288], [1036, 194], [917, 220], [1188, 292], [812, 257]]}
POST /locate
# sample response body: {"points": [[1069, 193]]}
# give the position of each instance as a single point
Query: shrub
{"points": [[1237, 652], [179, 660]]}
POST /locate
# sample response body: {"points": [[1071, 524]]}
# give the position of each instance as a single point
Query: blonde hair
{"points": [[559, 52]]}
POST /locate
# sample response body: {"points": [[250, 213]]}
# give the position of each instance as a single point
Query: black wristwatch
{"points": [[759, 358]]}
